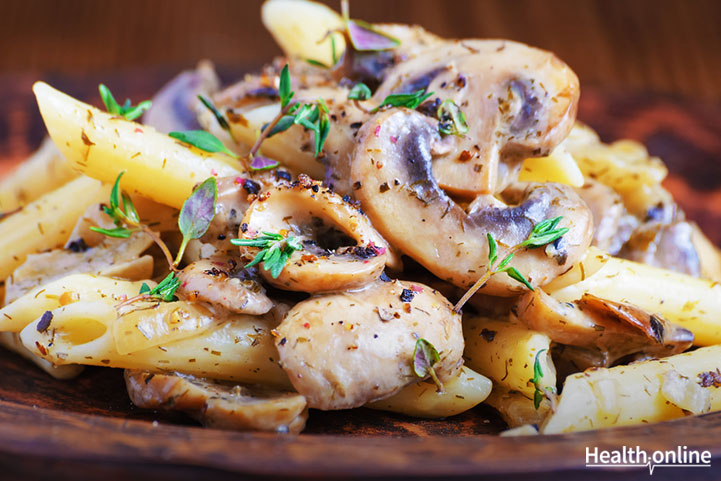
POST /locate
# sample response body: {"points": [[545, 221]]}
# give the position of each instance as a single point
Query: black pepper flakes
{"points": [[44, 322], [251, 186], [356, 185], [407, 295], [77, 245], [356, 125], [384, 188], [384, 277], [243, 227], [282, 174], [488, 335], [283, 341]]}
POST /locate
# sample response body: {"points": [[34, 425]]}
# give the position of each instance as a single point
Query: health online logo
{"points": [[634, 457]]}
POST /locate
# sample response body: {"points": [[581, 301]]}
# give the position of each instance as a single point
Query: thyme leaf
{"points": [[360, 91], [202, 140], [411, 100], [275, 252], [425, 356], [452, 119], [164, 291], [126, 110]]}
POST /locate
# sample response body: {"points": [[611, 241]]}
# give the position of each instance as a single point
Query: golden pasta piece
{"points": [[692, 303], [642, 392], [506, 351], [68, 290], [11, 341], [423, 400], [300, 29], [146, 326], [42, 172], [102, 145], [240, 349], [46, 223]]}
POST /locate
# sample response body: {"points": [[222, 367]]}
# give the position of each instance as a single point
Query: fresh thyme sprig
{"points": [[411, 100], [539, 392], [126, 219], [203, 140], [275, 252], [425, 356], [219, 117], [360, 91], [126, 110], [542, 234], [314, 117], [164, 291]]}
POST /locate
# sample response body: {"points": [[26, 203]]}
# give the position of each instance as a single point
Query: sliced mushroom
{"points": [[219, 404], [612, 224], [392, 175], [225, 284], [341, 250], [120, 258], [669, 246], [518, 101], [343, 350], [607, 330], [174, 105]]}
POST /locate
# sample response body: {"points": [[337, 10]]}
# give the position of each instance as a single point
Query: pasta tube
{"points": [[506, 352], [691, 302], [240, 349], [102, 145], [643, 392], [149, 326], [47, 222], [73, 288], [421, 399], [44, 171], [300, 29]]}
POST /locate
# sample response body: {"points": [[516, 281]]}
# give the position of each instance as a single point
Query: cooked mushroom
{"points": [[223, 283], [392, 176], [219, 404], [518, 101], [343, 350], [612, 224], [121, 258], [173, 106], [341, 250], [669, 246], [606, 330]]}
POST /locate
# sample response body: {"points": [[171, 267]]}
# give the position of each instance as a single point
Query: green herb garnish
{"points": [[452, 119], [542, 234], [313, 117], [539, 392], [197, 214], [411, 101], [275, 251], [164, 291], [127, 110], [360, 91], [202, 140], [425, 356], [123, 214]]}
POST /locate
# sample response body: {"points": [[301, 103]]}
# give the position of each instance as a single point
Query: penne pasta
{"points": [[44, 171], [558, 166], [102, 145], [691, 302], [506, 351], [643, 392], [68, 290], [241, 349], [47, 222], [422, 399]]}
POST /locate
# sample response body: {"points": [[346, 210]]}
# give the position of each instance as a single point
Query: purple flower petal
{"points": [[262, 163], [366, 38]]}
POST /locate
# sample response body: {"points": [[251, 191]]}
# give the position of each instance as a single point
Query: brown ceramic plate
{"points": [[88, 429]]}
